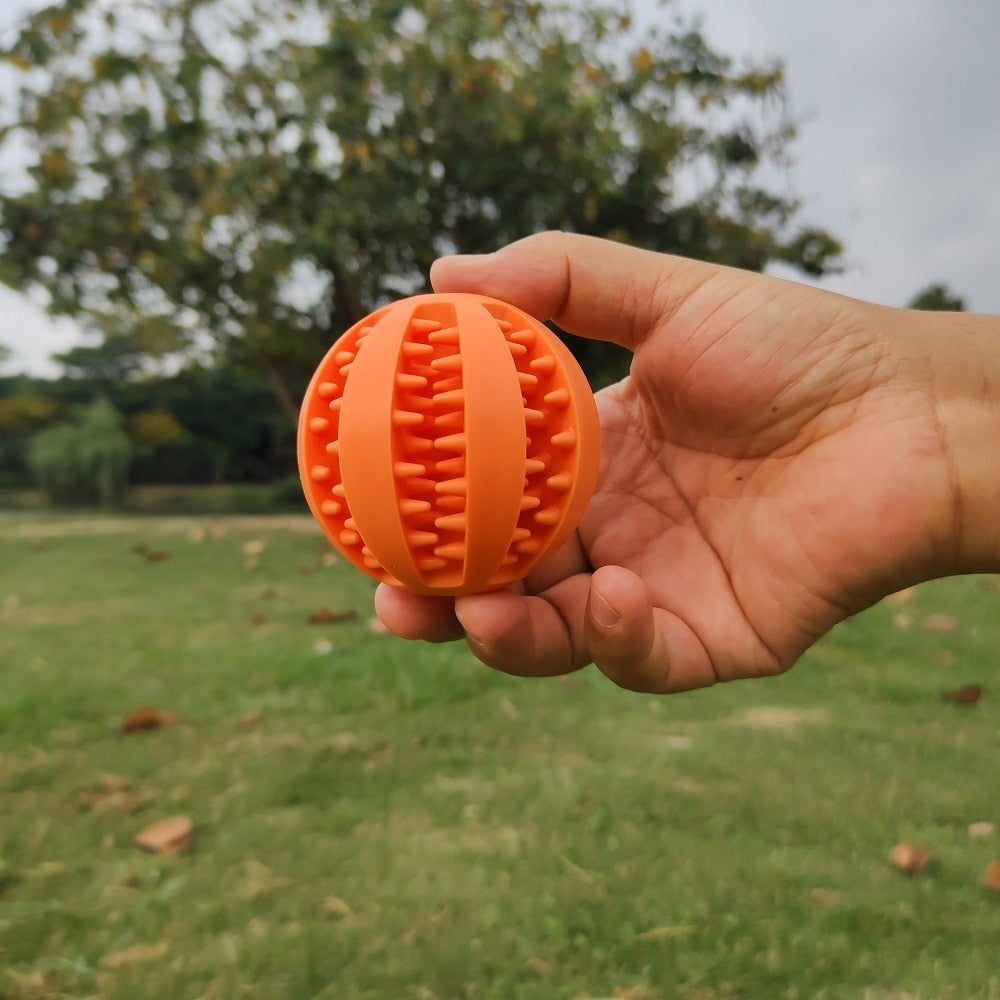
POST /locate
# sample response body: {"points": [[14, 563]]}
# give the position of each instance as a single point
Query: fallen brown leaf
{"points": [[336, 908], [258, 620], [113, 792], [991, 877], [260, 882], [166, 836], [943, 624], [147, 717], [324, 616], [636, 993], [909, 858], [538, 966], [142, 550], [967, 694], [134, 954], [667, 932], [508, 709]]}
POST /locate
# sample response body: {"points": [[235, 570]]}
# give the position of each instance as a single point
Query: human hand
{"points": [[776, 460]]}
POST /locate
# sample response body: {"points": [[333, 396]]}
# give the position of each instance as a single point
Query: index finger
{"points": [[588, 286]]}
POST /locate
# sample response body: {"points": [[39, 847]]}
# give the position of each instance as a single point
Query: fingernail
{"points": [[470, 637], [602, 612]]}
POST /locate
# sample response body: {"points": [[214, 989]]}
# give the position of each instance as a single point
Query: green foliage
{"points": [[231, 427], [27, 405], [937, 297], [252, 177], [381, 820], [154, 428], [83, 462], [117, 358], [24, 412], [200, 425]]}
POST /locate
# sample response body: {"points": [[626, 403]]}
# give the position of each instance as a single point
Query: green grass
{"points": [[392, 820]]}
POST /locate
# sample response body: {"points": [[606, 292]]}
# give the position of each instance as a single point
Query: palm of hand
{"points": [[745, 480]]}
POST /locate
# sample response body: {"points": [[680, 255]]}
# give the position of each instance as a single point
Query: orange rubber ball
{"points": [[447, 442]]}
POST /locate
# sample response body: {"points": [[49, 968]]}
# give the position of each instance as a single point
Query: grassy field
{"points": [[376, 819]]}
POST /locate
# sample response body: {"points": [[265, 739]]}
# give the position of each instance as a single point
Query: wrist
{"points": [[962, 358]]}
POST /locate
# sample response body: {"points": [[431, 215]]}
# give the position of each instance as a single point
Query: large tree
{"points": [[249, 177]]}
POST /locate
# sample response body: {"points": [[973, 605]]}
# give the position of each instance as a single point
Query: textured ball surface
{"points": [[447, 442]]}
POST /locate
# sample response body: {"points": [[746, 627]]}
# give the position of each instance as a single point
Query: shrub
{"points": [[85, 461]]}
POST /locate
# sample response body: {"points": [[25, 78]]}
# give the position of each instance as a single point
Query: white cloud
{"points": [[32, 335], [899, 148]]}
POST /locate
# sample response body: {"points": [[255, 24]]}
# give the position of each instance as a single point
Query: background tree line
{"points": [[224, 186], [198, 426]]}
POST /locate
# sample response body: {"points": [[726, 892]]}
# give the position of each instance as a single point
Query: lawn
{"points": [[377, 819]]}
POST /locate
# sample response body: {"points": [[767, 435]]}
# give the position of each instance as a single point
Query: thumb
{"points": [[588, 286]]}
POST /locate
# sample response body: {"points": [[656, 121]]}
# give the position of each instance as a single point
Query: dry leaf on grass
{"points": [[167, 836], [942, 624], [260, 882], [982, 830], [147, 717], [967, 694], [150, 555], [113, 792], [991, 877], [538, 966], [636, 993], [324, 616], [251, 554], [909, 858], [668, 932], [134, 954], [335, 908]]}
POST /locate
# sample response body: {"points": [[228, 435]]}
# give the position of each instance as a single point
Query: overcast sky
{"points": [[898, 153]]}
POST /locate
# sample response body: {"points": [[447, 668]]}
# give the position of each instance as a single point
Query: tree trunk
{"points": [[287, 402]]}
